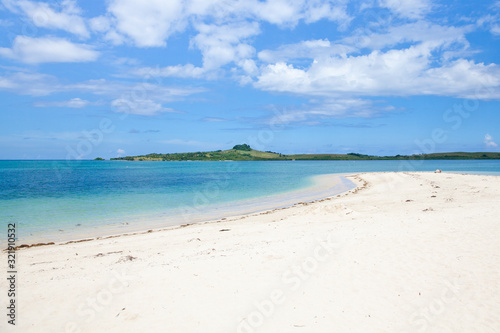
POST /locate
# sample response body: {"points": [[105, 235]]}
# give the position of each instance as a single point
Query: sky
{"points": [[86, 79]]}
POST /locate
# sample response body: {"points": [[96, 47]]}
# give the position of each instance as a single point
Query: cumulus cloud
{"points": [[148, 23], [406, 59], [223, 44], [431, 36], [488, 140], [429, 65], [219, 45], [404, 56], [43, 15], [48, 49], [404, 72], [120, 151]]}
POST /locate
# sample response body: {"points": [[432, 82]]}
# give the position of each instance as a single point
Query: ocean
{"points": [[62, 200]]}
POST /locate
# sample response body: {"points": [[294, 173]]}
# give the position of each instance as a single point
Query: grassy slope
{"points": [[224, 155]]}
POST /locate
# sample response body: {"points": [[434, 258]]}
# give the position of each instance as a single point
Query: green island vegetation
{"points": [[99, 159], [244, 152]]}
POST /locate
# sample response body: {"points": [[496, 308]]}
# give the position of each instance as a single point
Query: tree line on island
{"points": [[244, 152]]}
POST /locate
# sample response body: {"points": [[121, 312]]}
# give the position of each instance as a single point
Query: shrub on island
{"points": [[243, 147]]}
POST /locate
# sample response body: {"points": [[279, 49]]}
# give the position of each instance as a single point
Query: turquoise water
{"points": [[50, 197]]}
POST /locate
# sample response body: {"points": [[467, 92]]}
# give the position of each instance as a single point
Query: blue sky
{"points": [[81, 79]]}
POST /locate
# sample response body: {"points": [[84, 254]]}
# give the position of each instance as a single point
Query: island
{"points": [[243, 152]]}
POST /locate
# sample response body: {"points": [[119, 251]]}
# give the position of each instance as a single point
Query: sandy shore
{"points": [[404, 252]]}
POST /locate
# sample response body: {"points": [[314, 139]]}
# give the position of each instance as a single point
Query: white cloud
{"points": [[33, 84], [43, 15], [404, 72], [48, 49], [289, 12], [76, 103], [132, 93], [219, 45], [431, 65], [488, 140], [213, 119], [434, 36], [224, 27], [412, 9], [431, 36], [151, 22], [248, 66], [6, 84], [327, 109], [183, 71], [317, 10], [491, 21], [145, 107], [125, 97], [100, 23], [121, 61], [223, 44], [114, 37], [148, 23], [311, 49], [284, 78], [278, 12], [120, 152]]}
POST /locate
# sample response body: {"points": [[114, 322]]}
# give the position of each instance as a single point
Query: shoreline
{"points": [[402, 252], [323, 186], [311, 194]]}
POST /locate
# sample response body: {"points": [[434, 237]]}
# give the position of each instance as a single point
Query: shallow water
{"points": [[49, 198]]}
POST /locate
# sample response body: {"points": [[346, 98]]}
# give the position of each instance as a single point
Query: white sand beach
{"points": [[403, 252]]}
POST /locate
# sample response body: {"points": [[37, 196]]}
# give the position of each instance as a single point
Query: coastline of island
{"points": [[244, 152]]}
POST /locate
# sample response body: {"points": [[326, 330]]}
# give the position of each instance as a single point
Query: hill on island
{"points": [[244, 152]]}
